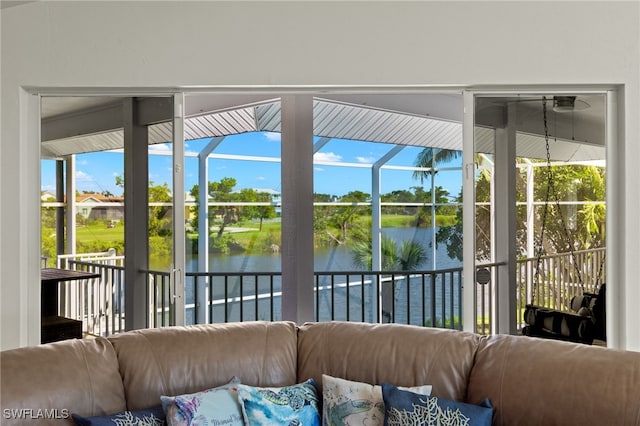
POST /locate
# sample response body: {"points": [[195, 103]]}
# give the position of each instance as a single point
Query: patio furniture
{"points": [[55, 327], [586, 323]]}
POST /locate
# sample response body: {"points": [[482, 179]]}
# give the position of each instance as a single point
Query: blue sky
{"points": [[96, 172]]}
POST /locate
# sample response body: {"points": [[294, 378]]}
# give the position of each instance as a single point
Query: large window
{"points": [[388, 234]]}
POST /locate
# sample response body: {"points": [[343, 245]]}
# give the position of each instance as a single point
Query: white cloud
{"points": [[82, 176], [272, 136], [366, 160], [318, 169], [261, 178], [327, 156], [160, 147]]}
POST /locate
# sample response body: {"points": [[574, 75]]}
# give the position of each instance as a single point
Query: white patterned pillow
{"points": [[347, 403], [212, 406]]}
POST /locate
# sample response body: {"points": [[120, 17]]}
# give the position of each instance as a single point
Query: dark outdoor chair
{"points": [[586, 323]]}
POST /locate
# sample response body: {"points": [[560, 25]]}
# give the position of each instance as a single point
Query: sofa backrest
{"points": [[179, 360], [45, 384], [392, 353], [532, 381]]}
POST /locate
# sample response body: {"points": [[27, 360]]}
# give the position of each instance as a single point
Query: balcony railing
{"points": [[425, 298]]}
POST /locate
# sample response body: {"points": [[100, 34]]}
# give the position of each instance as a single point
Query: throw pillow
{"points": [[345, 402], [288, 405], [151, 417], [216, 406], [405, 408]]}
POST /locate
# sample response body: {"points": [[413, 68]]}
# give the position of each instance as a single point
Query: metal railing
{"points": [[99, 302], [425, 298]]}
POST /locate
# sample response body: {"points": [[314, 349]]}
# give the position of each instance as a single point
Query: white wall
{"points": [[177, 44]]}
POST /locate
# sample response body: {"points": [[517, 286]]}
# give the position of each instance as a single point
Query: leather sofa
{"points": [[529, 381]]}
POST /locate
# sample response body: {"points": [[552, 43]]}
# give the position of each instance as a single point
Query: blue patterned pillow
{"points": [[288, 406], [216, 406], [404, 408], [151, 417]]}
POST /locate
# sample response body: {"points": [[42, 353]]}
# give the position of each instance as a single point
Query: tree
{"points": [[260, 212], [120, 182], [423, 214], [220, 191], [342, 217], [160, 218], [408, 257], [580, 229], [398, 196], [570, 226], [429, 158]]}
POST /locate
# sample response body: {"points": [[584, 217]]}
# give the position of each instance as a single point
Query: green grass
{"points": [[396, 220], [255, 241], [99, 232]]}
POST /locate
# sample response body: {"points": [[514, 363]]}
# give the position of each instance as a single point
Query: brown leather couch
{"points": [[529, 381]]}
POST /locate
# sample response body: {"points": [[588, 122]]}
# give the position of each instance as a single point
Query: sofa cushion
{"points": [[288, 405], [409, 408], [181, 360], [388, 353], [216, 406], [72, 376], [532, 381]]}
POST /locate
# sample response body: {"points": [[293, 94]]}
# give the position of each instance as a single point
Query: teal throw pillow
{"points": [[288, 406], [408, 408]]}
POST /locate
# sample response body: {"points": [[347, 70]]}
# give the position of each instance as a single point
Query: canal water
{"points": [[412, 305]]}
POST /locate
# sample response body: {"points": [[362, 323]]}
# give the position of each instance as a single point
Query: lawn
{"points": [[254, 240], [99, 232]]}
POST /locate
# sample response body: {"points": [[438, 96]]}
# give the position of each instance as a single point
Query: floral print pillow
{"points": [[216, 406]]}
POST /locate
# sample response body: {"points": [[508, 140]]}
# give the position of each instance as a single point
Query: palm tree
{"points": [[429, 157], [408, 257]]}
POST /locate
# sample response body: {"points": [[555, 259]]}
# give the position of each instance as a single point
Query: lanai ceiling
{"points": [[73, 125]]}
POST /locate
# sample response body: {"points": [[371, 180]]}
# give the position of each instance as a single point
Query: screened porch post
{"points": [[297, 208], [386, 297], [505, 231], [71, 205], [59, 210], [469, 307], [136, 216], [202, 311]]}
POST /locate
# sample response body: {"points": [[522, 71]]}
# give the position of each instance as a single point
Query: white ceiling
{"points": [[427, 120]]}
